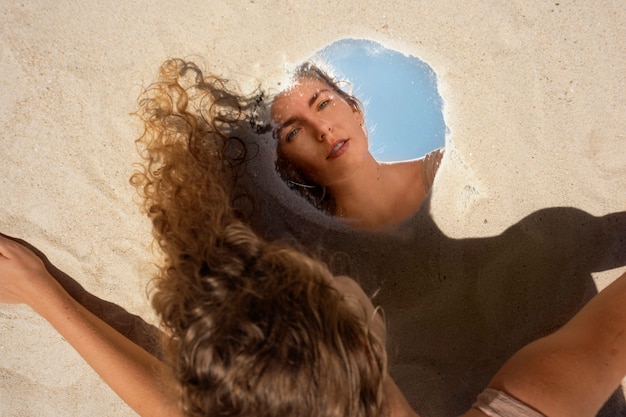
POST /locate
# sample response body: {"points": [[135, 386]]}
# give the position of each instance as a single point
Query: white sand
{"points": [[535, 100]]}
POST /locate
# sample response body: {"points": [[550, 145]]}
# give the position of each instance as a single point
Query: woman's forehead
{"points": [[299, 92]]}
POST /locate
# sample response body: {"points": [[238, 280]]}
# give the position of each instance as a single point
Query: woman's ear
{"points": [[358, 115]]}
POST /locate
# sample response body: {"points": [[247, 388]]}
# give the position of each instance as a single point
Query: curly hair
{"points": [[314, 193], [255, 328]]}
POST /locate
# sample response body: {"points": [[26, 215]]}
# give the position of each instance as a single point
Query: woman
{"points": [[323, 153], [256, 327]]}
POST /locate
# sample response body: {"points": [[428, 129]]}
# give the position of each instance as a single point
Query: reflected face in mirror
{"points": [[319, 131]]}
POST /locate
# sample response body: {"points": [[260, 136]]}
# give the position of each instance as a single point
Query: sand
{"points": [[535, 100]]}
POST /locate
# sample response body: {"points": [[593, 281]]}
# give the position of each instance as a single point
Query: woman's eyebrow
{"points": [[287, 123], [311, 103], [316, 95]]}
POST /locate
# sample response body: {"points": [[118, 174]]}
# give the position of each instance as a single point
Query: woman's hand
{"points": [[23, 275], [139, 378]]}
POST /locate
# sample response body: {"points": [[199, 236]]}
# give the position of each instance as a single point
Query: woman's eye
{"points": [[291, 135], [323, 104]]}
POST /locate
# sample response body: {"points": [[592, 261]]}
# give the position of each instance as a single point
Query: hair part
{"points": [[310, 69]]}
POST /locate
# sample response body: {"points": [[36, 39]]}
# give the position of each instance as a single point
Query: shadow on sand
{"points": [[456, 309]]}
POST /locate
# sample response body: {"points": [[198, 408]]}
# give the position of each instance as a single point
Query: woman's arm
{"points": [[136, 376], [573, 371]]}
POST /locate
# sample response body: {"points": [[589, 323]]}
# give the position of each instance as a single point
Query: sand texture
{"points": [[527, 214]]}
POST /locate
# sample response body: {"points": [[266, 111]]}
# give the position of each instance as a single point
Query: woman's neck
{"points": [[380, 195]]}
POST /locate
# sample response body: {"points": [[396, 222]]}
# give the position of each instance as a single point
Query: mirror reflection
{"points": [[326, 149]]}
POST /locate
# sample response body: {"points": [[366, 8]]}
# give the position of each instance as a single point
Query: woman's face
{"points": [[319, 131]]}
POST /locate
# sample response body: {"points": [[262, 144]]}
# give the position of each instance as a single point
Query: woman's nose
{"points": [[323, 129]]}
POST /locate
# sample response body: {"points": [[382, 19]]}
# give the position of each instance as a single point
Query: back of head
{"points": [[262, 332], [256, 328]]}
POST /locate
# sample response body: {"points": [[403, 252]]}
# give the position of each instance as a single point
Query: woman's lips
{"points": [[338, 149]]}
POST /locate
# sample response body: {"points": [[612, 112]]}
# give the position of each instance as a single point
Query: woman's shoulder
{"points": [[421, 170], [432, 159], [409, 166]]}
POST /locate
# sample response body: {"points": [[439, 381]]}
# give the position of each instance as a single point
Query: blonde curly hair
{"points": [[255, 328]]}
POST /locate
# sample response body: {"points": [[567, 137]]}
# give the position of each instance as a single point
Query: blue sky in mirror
{"points": [[402, 104]]}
